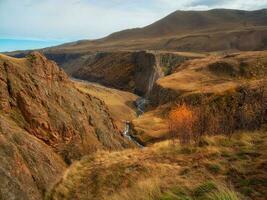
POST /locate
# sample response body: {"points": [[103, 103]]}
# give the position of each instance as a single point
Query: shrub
{"points": [[211, 191], [242, 109], [223, 194], [204, 188], [213, 168], [181, 123]]}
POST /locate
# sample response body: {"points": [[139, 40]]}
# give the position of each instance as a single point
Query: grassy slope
{"points": [[120, 103], [217, 73], [167, 171]]}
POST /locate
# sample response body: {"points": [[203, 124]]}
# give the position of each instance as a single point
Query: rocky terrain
{"points": [[121, 104], [76, 130], [225, 167], [214, 75], [135, 72], [46, 123], [94, 123]]}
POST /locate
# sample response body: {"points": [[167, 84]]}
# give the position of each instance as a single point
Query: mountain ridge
{"points": [[203, 14], [177, 25]]}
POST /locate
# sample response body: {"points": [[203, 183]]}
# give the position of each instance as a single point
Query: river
{"points": [[140, 105]]}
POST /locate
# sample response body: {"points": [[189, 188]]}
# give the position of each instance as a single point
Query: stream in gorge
{"points": [[140, 104]]}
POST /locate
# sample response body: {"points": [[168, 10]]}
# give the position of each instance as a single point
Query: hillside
{"points": [[46, 123], [222, 168], [65, 139], [219, 77], [190, 27], [184, 22], [120, 104]]}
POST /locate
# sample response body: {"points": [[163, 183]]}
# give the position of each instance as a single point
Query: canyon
{"points": [[90, 119]]}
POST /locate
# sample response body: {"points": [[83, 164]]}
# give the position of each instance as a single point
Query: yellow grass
{"points": [[120, 103], [155, 172]]}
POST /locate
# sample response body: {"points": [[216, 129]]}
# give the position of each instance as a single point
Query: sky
{"points": [[28, 24]]}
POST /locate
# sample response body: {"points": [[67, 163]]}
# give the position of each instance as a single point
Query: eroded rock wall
{"points": [[44, 102], [131, 71]]}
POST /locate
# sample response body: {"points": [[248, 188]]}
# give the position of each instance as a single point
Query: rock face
{"points": [[28, 167], [214, 74], [147, 71], [44, 121], [45, 103], [131, 71]]}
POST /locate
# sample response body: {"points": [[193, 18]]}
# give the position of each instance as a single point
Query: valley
{"points": [[176, 110]]}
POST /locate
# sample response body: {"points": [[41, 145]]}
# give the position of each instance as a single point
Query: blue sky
{"points": [[40, 23]]}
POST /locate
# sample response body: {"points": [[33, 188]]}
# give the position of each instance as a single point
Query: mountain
{"points": [[190, 22], [218, 30], [46, 123], [188, 31]]}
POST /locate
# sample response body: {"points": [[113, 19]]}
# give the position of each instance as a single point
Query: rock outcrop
{"points": [[46, 123], [53, 110], [213, 74], [28, 167], [131, 71]]}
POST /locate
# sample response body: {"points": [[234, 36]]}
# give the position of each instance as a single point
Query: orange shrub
{"points": [[181, 123], [245, 109]]}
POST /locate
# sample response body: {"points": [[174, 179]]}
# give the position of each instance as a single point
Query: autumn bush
{"points": [[245, 109], [181, 123]]}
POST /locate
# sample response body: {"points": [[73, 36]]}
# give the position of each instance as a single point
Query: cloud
{"points": [[209, 3], [88, 19]]}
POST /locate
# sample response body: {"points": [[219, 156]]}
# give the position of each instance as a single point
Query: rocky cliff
{"points": [[213, 74], [131, 71], [46, 123]]}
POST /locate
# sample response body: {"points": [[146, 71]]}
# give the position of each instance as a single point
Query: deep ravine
{"points": [[140, 104]]}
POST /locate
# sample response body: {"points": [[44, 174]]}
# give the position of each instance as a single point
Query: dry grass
{"points": [[120, 103], [143, 190], [225, 80], [167, 171], [150, 126], [217, 74]]}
